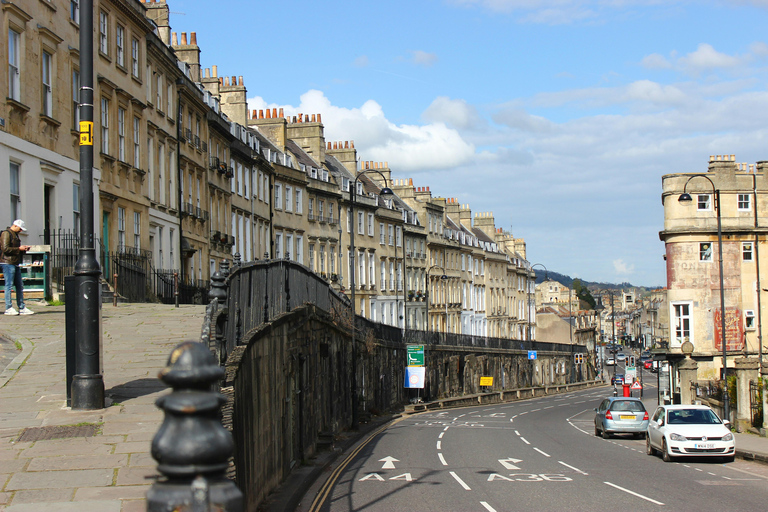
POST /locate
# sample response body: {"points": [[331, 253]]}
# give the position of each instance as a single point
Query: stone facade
{"points": [[690, 236]]}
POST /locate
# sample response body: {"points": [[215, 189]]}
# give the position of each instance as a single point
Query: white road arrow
{"points": [[510, 463], [389, 462]]}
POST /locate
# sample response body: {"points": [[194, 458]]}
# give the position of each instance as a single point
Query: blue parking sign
{"points": [[531, 354]]}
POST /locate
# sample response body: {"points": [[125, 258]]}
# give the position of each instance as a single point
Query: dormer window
{"points": [[313, 173]]}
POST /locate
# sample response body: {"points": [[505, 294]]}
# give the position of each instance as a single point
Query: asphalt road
{"points": [[533, 455]]}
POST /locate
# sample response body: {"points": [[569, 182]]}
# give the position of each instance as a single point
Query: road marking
{"points": [[535, 410], [441, 435], [510, 463], [438, 445], [487, 507], [634, 493], [446, 428], [517, 433], [440, 456], [461, 482], [371, 475], [524, 440], [389, 462], [573, 468], [549, 407], [524, 412], [541, 452]]}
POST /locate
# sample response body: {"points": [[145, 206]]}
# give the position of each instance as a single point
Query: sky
{"points": [[559, 116]]}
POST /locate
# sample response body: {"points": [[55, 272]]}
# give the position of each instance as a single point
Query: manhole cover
{"points": [[60, 432]]}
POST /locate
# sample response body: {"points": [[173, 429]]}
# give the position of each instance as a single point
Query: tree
{"points": [[583, 293]]}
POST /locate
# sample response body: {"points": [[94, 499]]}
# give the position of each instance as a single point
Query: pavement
{"points": [[111, 469], [106, 466]]}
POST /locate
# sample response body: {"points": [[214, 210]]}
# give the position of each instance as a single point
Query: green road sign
{"points": [[415, 355]]}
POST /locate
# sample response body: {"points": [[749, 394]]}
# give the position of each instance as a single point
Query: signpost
{"points": [[531, 355], [415, 372], [415, 355]]}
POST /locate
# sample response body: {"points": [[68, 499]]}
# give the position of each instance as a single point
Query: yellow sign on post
{"points": [[486, 381], [86, 133]]}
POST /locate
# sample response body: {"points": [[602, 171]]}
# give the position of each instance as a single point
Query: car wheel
{"points": [[728, 458], [650, 450], [665, 452], [606, 435], [597, 430]]}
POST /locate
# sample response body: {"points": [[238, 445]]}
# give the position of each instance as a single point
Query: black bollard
{"points": [[218, 288], [192, 448]]}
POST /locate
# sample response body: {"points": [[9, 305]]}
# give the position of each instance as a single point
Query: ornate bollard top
{"points": [[218, 288], [238, 260]]}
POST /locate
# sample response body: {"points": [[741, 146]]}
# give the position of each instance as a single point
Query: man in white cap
{"points": [[10, 257]]}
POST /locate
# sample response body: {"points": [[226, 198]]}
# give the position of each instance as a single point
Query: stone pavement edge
{"points": [[112, 470]]}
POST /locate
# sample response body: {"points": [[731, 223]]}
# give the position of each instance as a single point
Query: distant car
{"points": [[617, 379], [621, 415], [621, 356], [648, 364], [610, 362], [689, 431]]}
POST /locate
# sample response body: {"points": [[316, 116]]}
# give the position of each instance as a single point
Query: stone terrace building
{"points": [[693, 277]]}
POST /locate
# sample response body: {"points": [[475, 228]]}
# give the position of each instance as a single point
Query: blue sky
{"points": [[559, 116]]}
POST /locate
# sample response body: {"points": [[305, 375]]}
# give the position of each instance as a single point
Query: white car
{"points": [[689, 431], [610, 362]]}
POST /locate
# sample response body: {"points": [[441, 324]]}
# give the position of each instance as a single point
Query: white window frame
{"points": [[705, 256], [135, 57], [105, 126], [46, 81], [14, 65], [370, 224], [299, 208], [278, 196], [136, 142], [744, 202], [121, 134], [104, 32], [747, 251], [288, 198], [704, 202], [678, 312], [360, 223], [120, 45], [749, 320]]}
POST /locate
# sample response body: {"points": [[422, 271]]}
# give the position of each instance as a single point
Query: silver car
{"points": [[621, 415]]}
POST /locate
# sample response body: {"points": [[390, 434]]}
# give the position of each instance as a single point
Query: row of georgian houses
{"points": [[185, 174]]}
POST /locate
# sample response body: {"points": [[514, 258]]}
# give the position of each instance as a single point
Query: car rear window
{"points": [[627, 405]]}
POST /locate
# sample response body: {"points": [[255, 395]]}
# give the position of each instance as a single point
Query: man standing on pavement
{"points": [[10, 257]]}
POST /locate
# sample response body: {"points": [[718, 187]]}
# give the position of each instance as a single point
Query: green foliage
{"points": [[583, 293]]}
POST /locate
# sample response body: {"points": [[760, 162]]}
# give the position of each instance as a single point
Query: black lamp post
{"points": [[599, 308], [385, 193], [686, 198], [426, 285], [87, 383]]}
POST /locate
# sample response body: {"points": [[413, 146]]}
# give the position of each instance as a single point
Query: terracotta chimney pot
{"points": [[174, 39], [319, 119], [215, 70], [193, 38], [274, 112], [269, 114], [281, 112], [183, 38]]}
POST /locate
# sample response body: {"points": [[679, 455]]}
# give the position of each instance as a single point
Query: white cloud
{"points": [[706, 57], [361, 62], [456, 113], [622, 269], [408, 148], [655, 61], [422, 58]]}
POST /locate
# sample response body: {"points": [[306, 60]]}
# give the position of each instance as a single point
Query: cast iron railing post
{"points": [[192, 448]]}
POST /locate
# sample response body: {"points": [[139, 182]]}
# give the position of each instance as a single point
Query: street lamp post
{"points": [[385, 193], [599, 309], [686, 198], [426, 286]]}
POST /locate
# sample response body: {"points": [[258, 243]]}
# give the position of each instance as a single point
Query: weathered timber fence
{"points": [[284, 337]]}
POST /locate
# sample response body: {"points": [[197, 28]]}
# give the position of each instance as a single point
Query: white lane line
{"points": [[446, 428], [573, 468], [524, 412], [461, 482], [549, 407], [438, 445], [541, 452], [442, 459], [634, 493], [487, 507], [517, 433], [535, 410], [441, 434], [524, 440]]}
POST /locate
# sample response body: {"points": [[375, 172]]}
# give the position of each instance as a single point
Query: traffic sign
{"points": [[414, 377], [415, 355], [531, 354], [486, 381], [636, 385]]}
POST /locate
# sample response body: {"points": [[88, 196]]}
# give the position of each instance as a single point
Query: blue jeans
{"points": [[12, 276]]}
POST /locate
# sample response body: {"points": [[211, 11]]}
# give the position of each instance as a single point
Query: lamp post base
{"points": [[88, 392]]}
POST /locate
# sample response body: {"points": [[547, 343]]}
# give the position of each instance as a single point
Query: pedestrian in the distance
{"points": [[11, 252]]}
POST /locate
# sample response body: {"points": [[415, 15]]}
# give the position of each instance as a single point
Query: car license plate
{"points": [[704, 446], [627, 416]]}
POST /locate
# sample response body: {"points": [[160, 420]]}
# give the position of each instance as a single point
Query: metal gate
{"points": [[756, 403]]}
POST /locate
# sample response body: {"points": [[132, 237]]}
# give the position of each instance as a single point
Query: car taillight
{"points": [[645, 416], [608, 415]]}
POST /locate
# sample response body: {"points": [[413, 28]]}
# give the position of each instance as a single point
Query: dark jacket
{"points": [[10, 242]]}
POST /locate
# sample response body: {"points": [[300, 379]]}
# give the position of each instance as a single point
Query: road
{"points": [[532, 455]]}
